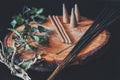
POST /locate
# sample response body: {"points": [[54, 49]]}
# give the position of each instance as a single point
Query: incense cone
{"points": [[65, 15], [73, 22], [77, 13]]}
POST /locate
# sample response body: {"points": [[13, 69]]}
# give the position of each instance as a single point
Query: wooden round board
{"points": [[57, 50]]}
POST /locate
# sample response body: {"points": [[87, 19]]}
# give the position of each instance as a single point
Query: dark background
{"points": [[102, 67]]}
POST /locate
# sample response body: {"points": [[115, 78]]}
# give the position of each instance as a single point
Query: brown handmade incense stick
{"points": [[60, 29], [65, 33], [55, 25]]}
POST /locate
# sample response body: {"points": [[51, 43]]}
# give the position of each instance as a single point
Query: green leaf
{"points": [[36, 38], [8, 50], [43, 39], [25, 65], [14, 36], [27, 47], [32, 17], [19, 19], [42, 17], [40, 21], [34, 10], [27, 27], [34, 29], [42, 29], [40, 39], [13, 23], [47, 30], [39, 57], [37, 11]]}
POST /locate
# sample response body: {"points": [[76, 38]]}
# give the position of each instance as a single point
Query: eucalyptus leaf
{"points": [[34, 10], [39, 18], [27, 47], [32, 17], [8, 50], [40, 21], [19, 19], [25, 65], [37, 11], [42, 17], [14, 36], [42, 29], [27, 27], [24, 36], [43, 39], [36, 38], [13, 23], [39, 57], [34, 29], [21, 32], [47, 30]]}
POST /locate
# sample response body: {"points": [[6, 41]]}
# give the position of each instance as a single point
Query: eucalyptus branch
{"points": [[19, 72], [1, 58], [6, 54], [13, 55], [2, 49], [15, 69]]}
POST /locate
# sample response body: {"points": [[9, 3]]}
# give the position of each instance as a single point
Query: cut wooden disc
{"points": [[56, 51]]}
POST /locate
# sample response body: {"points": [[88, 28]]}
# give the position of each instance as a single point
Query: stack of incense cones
{"points": [[75, 16]]}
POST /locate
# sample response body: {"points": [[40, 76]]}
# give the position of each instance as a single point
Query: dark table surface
{"points": [[104, 67]]}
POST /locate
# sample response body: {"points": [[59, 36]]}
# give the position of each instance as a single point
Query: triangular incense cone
{"points": [[73, 22], [77, 13], [65, 15]]}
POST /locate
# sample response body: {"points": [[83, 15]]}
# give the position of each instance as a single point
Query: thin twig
{"points": [[64, 49]]}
